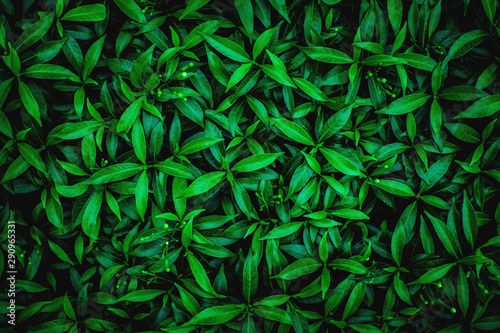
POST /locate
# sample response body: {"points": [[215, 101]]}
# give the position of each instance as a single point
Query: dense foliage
{"points": [[256, 166]]}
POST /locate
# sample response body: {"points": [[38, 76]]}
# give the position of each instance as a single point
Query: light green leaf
{"points": [[310, 89], [228, 48], [395, 187], [326, 54], [203, 184], [299, 268], [114, 173], [132, 10], [175, 169], [255, 162], [141, 295], [405, 104], [485, 107], [86, 13], [341, 163], [433, 275], [293, 131]]}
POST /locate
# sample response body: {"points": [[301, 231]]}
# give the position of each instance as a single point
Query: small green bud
{"points": [[179, 94], [336, 29], [384, 80], [185, 99], [165, 226], [168, 269], [453, 310], [22, 255], [393, 95], [386, 166], [142, 239], [191, 64], [377, 181], [370, 74], [184, 74], [439, 285]]}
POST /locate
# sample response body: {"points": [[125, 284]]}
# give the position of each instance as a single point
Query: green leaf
{"points": [[326, 54], [398, 242], [54, 326], [401, 289], [238, 75], [469, 221], [278, 75], [139, 141], [341, 163], [485, 107], [382, 60], [86, 13], [255, 162], [395, 187], [141, 295], [405, 104], [418, 61], [141, 194], [348, 213], [187, 234], [198, 145], [245, 12], [29, 102], [59, 252], [216, 315], [463, 132], [250, 278], [34, 33], [461, 93], [175, 169], [48, 71], [490, 7], [32, 156], [310, 89], [335, 123], [348, 265], [132, 10], [129, 116], [263, 40], [192, 6], [354, 301], [445, 235], [203, 184], [299, 268], [90, 215], [15, 169], [273, 313], [463, 291], [91, 57], [465, 43], [293, 131], [228, 48], [281, 7], [395, 9], [434, 274], [140, 67], [114, 173], [199, 273], [283, 230], [365, 328]]}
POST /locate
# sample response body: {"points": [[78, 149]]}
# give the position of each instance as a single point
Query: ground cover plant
{"points": [[249, 166]]}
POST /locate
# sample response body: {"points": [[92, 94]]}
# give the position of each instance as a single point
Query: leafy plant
{"points": [[254, 166]]}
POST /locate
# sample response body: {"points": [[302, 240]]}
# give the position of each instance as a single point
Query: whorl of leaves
{"points": [[256, 166]]}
